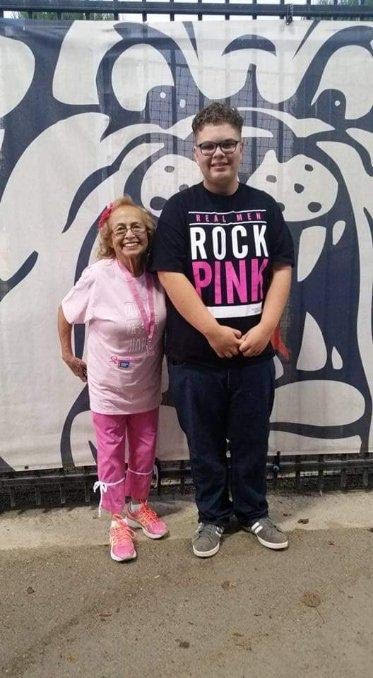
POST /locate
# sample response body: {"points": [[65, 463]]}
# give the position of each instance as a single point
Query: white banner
{"points": [[92, 110]]}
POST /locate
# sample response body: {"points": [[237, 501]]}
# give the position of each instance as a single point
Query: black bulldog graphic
{"points": [[108, 111]]}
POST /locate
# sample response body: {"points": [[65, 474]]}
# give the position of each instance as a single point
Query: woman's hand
{"points": [[77, 366]]}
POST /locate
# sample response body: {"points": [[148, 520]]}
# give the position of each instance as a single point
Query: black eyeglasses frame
{"points": [[219, 144]]}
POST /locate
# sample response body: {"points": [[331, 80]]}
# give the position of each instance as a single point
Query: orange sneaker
{"points": [[121, 540], [146, 518]]}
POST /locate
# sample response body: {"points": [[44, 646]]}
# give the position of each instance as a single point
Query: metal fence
{"points": [[61, 487], [300, 473], [115, 9]]}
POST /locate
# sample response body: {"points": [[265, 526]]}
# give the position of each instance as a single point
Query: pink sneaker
{"points": [[121, 541], [148, 520]]}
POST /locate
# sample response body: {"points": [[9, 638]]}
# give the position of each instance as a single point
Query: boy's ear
{"points": [[195, 154]]}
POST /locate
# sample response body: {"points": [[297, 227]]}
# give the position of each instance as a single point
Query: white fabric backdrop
{"points": [[92, 110]]}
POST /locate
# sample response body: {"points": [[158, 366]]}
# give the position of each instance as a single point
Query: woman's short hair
{"points": [[105, 248]]}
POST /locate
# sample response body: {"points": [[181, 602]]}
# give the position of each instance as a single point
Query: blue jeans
{"points": [[214, 404]]}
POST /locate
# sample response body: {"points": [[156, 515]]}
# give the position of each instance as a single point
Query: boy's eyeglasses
{"points": [[227, 146]]}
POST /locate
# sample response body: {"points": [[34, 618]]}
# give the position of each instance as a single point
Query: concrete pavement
{"points": [[68, 610]]}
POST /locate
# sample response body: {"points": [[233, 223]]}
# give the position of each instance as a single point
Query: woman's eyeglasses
{"points": [[227, 146], [136, 229]]}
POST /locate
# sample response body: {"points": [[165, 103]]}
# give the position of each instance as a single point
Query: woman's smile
{"points": [[130, 245]]}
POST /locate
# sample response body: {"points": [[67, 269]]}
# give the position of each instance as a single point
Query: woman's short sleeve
{"points": [[77, 304]]}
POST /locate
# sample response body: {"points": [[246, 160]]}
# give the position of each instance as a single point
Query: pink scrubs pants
{"points": [[116, 479]]}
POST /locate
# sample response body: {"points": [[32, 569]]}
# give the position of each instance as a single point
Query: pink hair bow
{"points": [[105, 214]]}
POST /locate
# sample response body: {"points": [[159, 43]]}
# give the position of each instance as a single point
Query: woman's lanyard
{"points": [[148, 320]]}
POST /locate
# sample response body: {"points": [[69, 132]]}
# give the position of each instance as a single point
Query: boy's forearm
{"points": [[187, 302]]}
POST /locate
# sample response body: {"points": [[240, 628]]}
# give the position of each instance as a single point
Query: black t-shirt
{"points": [[225, 246]]}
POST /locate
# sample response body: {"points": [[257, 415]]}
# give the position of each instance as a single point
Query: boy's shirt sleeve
{"points": [[170, 244], [281, 242], [77, 304]]}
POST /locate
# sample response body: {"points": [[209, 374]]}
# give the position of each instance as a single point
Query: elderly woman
{"points": [[124, 309]]}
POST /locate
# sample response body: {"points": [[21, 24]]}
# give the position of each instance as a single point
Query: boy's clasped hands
{"points": [[228, 342]]}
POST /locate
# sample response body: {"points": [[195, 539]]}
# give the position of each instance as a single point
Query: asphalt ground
{"points": [[68, 610]]}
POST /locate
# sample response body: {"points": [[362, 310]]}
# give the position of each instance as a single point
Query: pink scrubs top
{"points": [[123, 367]]}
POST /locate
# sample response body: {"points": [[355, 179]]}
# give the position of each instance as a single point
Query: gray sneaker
{"points": [[268, 534], [206, 541]]}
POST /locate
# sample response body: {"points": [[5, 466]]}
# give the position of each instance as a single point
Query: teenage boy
{"points": [[224, 254]]}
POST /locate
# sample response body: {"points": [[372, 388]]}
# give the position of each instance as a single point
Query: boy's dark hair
{"points": [[217, 114]]}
